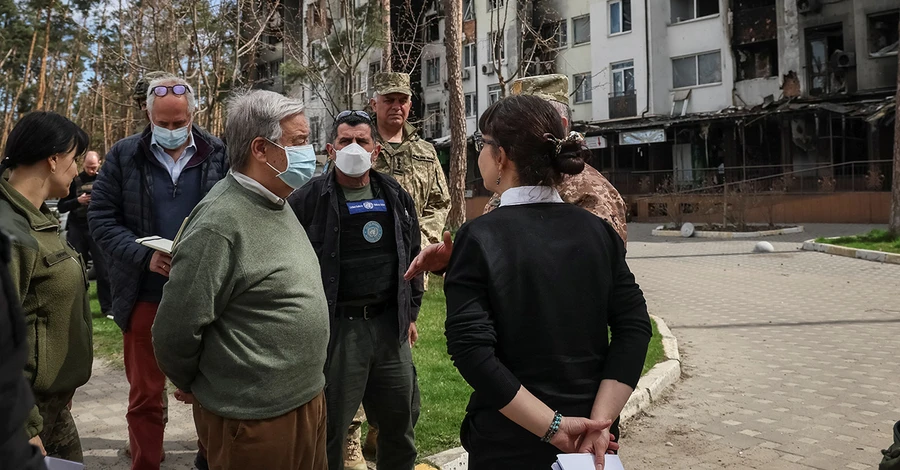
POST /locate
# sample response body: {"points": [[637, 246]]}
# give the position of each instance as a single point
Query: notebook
{"points": [[585, 462], [162, 244], [60, 464]]}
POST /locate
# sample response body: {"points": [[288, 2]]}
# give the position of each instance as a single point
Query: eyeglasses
{"points": [[344, 114], [163, 90], [480, 141]]}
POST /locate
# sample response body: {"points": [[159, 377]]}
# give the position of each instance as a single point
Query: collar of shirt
{"points": [[529, 195], [257, 188], [174, 167]]}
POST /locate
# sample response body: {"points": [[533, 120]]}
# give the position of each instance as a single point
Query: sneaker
{"points": [[111, 317]]}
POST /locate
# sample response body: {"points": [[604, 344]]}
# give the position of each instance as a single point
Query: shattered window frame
{"points": [[887, 49], [584, 89]]}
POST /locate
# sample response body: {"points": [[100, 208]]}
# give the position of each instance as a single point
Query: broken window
{"points": [[619, 16], [493, 93], [556, 33], [497, 46], [435, 120], [374, 69], [468, 10], [680, 101], [469, 55], [623, 78], [471, 105], [433, 30], [685, 10], [821, 46], [583, 88], [883, 34], [701, 69], [581, 27], [433, 71], [758, 60]]}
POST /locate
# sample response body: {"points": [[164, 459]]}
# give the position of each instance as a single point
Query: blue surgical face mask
{"points": [[169, 139], [301, 165]]}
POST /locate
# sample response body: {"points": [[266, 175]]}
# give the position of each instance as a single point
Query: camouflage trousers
{"points": [[59, 436]]}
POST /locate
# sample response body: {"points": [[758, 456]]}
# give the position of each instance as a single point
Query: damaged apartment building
{"points": [[793, 96]]}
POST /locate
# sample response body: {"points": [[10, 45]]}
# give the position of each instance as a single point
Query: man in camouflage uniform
{"points": [[405, 156], [589, 189], [414, 164]]}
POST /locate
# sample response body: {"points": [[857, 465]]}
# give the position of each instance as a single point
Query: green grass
{"points": [[444, 392], [878, 240], [655, 352], [107, 335]]}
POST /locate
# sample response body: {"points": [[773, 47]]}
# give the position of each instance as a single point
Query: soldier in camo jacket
{"points": [[589, 189]]}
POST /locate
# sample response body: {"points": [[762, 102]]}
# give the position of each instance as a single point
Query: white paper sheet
{"points": [[60, 464], [585, 462]]}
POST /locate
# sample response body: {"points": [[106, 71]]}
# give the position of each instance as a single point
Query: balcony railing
{"points": [[622, 104]]}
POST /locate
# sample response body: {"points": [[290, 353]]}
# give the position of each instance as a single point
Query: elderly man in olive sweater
{"points": [[243, 323]]}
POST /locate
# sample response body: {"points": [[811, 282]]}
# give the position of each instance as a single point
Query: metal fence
{"points": [[872, 175]]}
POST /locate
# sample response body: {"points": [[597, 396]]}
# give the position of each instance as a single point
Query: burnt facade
{"points": [[813, 110]]}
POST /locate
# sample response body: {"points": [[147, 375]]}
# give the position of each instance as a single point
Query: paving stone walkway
{"points": [[790, 361]]}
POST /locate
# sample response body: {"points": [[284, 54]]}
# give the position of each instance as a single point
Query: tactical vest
{"points": [[368, 248]]}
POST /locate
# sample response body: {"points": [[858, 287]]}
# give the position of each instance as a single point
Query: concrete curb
{"points": [[660, 232], [868, 255], [649, 389]]}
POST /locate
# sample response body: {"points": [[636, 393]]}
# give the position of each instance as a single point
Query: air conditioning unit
{"points": [[466, 74], [488, 69], [806, 7], [843, 60]]}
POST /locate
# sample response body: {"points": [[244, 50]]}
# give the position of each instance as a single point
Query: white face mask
{"points": [[353, 160]]}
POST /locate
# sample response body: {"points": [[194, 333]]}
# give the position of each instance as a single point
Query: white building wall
{"points": [[610, 49], [486, 22], [576, 59]]}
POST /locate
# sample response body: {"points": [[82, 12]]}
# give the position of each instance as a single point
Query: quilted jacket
{"points": [[121, 209]]}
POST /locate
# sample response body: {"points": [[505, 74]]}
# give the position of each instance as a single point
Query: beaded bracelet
{"points": [[554, 427]]}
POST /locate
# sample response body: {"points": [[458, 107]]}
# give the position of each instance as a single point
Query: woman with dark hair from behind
{"points": [[532, 290], [47, 275]]}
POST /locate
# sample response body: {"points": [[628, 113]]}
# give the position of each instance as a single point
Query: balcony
{"points": [[622, 104]]}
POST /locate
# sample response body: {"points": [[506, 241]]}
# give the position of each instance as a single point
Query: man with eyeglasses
{"points": [[365, 231], [140, 93], [149, 183]]}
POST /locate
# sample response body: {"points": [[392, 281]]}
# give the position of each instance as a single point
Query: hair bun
{"points": [[568, 155]]}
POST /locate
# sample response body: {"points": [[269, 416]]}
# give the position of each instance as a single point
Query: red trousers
{"points": [[145, 406]]}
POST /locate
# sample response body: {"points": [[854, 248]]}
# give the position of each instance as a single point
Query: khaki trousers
{"points": [[293, 441]]}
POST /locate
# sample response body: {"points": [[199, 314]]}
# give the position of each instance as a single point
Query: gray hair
{"points": [[171, 80], [564, 112], [253, 114]]}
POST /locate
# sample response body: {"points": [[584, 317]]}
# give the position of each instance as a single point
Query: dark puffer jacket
{"points": [[121, 209]]}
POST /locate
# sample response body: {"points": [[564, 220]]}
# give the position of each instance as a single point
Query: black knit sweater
{"points": [[531, 290]]}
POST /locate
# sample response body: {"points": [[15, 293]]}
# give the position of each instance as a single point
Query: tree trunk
{"points": [[894, 223], [7, 120], [42, 79], [453, 45], [386, 65]]}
